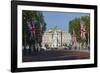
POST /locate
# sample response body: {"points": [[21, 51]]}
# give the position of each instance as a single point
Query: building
{"points": [[55, 38]]}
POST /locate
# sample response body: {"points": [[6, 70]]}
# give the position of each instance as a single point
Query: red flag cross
{"points": [[82, 30], [31, 29]]}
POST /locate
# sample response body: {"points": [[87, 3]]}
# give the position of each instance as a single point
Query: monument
{"points": [[55, 39]]}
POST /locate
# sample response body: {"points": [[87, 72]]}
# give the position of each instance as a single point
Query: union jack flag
{"points": [[82, 30], [31, 27], [73, 38]]}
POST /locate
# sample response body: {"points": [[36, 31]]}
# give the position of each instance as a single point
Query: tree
{"points": [[40, 26], [86, 20], [75, 25], [47, 46]]}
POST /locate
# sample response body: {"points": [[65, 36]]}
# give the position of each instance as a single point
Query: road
{"points": [[55, 55]]}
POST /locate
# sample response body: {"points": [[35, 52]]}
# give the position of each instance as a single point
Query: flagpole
{"points": [[80, 33], [88, 39]]}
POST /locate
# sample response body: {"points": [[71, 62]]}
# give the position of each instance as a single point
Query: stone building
{"points": [[55, 38]]}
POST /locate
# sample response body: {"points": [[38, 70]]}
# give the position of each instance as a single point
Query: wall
{"points": [[5, 37]]}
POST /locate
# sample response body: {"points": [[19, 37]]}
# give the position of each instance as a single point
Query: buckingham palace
{"points": [[55, 38]]}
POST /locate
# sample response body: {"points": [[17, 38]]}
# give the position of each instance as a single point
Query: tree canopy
{"points": [[75, 25], [40, 25]]}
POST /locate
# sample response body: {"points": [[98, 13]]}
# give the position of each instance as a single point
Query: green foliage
{"points": [[40, 25], [47, 46], [75, 25], [65, 45]]}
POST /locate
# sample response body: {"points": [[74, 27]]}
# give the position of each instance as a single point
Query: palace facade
{"points": [[55, 38]]}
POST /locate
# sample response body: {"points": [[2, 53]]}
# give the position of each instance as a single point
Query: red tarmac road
{"points": [[56, 55]]}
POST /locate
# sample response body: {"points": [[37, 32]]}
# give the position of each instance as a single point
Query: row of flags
{"points": [[82, 34], [32, 30], [31, 27]]}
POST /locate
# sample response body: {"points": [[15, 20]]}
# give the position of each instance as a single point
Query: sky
{"points": [[60, 19]]}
